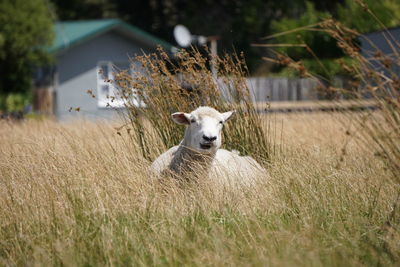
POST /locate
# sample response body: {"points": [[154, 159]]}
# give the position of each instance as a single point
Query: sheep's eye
{"points": [[221, 122], [192, 121]]}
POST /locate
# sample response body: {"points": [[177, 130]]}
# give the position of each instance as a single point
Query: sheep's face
{"points": [[204, 126]]}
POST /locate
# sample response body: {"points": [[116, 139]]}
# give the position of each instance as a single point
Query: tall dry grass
{"points": [[371, 74], [167, 84], [80, 194]]}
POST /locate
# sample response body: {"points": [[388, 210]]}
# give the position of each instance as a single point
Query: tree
{"points": [[239, 23], [84, 9], [320, 44], [355, 14], [25, 30]]}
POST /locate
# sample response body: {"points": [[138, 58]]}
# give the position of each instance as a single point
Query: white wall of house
{"points": [[77, 72]]}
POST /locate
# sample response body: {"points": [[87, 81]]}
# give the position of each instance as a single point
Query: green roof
{"points": [[69, 33]]}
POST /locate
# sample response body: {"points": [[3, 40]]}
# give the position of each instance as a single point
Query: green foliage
{"points": [[16, 102], [319, 42], [25, 29], [358, 17], [84, 9], [321, 57], [323, 67]]}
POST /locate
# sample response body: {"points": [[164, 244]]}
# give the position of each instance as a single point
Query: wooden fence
{"points": [[282, 89], [298, 95]]}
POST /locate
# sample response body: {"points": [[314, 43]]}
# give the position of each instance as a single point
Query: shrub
{"points": [[16, 102]]}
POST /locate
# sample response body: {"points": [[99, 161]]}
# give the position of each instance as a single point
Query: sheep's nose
{"points": [[209, 139]]}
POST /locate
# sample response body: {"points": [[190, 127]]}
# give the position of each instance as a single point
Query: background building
{"points": [[85, 53]]}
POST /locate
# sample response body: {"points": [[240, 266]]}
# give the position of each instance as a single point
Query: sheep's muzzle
{"points": [[206, 145]]}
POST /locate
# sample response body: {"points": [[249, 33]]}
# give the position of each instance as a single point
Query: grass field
{"points": [[80, 194]]}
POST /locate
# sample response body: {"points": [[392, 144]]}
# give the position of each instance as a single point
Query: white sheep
{"points": [[200, 148]]}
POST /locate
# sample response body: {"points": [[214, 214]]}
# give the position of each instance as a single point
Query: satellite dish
{"points": [[182, 35], [202, 40]]}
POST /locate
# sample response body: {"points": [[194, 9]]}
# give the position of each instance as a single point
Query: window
{"points": [[107, 90]]}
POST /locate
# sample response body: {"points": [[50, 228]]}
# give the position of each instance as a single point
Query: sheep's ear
{"points": [[228, 115], [181, 118]]}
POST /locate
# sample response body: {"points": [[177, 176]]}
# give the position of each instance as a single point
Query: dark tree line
{"points": [[26, 26], [239, 23]]}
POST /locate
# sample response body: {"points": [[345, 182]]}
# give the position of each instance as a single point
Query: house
{"points": [[379, 44], [85, 53]]}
